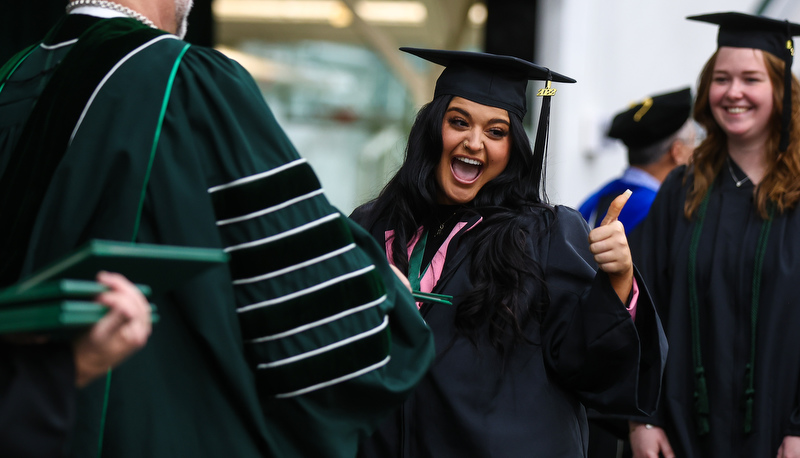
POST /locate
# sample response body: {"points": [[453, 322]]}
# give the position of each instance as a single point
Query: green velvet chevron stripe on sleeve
{"points": [[272, 256], [314, 308], [326, 366], [276, 318], [260, 194]]}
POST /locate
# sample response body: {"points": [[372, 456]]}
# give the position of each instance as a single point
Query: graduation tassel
{"points": [[786, 115], [542, 132], [701, 410], [761, 250]]}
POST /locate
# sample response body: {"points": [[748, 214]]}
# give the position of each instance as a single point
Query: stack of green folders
{"points": [[57, 306], [60, 298]]}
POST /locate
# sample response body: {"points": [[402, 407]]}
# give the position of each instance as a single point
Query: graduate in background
{"points": [[527, 329], [721, 254], [115, 128], [659, 135]]}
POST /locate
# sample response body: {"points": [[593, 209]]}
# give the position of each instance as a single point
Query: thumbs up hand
{"points": [[609, 245], [616, 208]]}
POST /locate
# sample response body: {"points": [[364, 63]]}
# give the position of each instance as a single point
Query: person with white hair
{"points": [[113, 127], [659, 135]]}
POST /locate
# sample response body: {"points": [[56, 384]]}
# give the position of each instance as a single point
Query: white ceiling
{"points": [[447, 24]]}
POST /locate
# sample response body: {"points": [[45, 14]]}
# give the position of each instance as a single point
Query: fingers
{"points": [[649, 443], [123, 330], [666, 449], [610, 248], [790, 447], [124, 297], [118, 283], [609, 231], [616, 207], [128, 308]]}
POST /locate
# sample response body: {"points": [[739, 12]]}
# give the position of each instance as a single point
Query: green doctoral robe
{"points": [[299, 346]]}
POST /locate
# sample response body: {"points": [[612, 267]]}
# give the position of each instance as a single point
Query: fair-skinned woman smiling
{"points": [[721, 255], [740, 98], [526, 327]]}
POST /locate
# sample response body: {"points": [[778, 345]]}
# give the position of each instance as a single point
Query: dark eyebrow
{"points": [[460, 110], [467, 115]]}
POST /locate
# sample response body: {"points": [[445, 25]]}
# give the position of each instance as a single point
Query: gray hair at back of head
{"points": [[653, 152]]}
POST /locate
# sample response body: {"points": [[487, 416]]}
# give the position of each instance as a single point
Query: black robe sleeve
{"points": [[612, 363], [651, 257]]}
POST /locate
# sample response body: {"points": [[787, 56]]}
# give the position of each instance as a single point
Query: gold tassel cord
{"points": [[646, 104]]}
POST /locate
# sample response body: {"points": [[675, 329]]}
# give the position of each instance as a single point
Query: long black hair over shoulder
{"points": [[501, 264]]}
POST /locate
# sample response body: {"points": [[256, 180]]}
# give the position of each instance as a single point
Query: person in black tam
{"points": [[659, 136], [721, 255], [528, 330]]}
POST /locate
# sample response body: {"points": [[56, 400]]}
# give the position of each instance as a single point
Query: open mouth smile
{"points": [[736, 110], [466, 170]]}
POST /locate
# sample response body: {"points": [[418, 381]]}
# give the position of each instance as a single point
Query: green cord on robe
{"points": [[701, 406]]}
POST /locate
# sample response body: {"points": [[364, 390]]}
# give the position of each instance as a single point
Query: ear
{"points": [[679, 152], [675, 152]]}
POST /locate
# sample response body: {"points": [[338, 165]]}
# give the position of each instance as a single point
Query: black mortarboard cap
{"points": [[652, 119], [494, 80], [489, 79], [740, 30]]}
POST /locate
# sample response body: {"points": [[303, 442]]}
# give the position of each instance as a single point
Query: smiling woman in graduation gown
{"points": [[513, 371], [721, 254]]}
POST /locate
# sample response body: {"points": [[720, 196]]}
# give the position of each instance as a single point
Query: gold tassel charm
{"points": [[546, 91]]}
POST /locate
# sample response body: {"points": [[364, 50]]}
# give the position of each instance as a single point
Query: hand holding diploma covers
{"points": [[56, 307], [60, 298]]}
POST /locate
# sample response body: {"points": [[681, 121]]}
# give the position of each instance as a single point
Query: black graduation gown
{"points": [[37, 405], [725, 261], [589, 351]]}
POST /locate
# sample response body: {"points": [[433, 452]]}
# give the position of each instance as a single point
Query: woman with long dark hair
{"points": [[721, 255], [527, 329]]}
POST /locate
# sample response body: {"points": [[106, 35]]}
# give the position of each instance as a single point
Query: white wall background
{"points": [[620, 51]]}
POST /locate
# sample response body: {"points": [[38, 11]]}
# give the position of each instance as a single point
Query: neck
{"points": [[160, 12], [751, 158], [657, 170]]}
